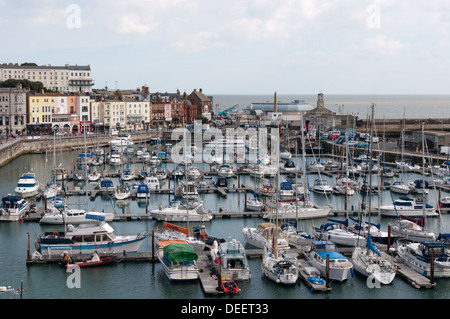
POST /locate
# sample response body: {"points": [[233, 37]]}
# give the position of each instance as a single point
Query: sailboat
{"points": [[400, 187], [368, 261]]}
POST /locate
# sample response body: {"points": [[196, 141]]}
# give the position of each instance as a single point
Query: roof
{"points": [[293, 106], [46, 67]]}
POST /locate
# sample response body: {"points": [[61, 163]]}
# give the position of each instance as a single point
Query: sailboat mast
{"points": [[303, 162], [370, 169]]}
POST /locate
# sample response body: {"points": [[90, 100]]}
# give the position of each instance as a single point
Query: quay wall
{"points": [[393, 127]]}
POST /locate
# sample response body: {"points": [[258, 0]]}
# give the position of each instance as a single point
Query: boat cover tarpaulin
{"points": [[95, 216], [180, 253]]}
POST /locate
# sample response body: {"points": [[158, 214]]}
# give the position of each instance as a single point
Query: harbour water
{"points": [[146, 280]]}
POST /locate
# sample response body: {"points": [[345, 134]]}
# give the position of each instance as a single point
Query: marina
{"points": [[225, 204]]}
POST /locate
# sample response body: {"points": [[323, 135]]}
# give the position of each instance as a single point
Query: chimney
{"points": [[275, 108]]}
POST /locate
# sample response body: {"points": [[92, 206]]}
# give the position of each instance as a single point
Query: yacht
{"points": [[411, 230], [263, 233], [339, 266], [399, 188], [12, 208], [115, 159], [96, 236], [406, 206], [192, 211], [321, 187], [27, 186], [418, 257], [338, 234], [71, 216], [176, 232], [225, 170]]}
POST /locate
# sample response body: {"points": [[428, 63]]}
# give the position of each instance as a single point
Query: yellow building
{"points": [[40, 109]]}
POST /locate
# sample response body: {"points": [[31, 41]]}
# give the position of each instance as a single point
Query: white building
{"points": [[138, 114], [67, 78]]}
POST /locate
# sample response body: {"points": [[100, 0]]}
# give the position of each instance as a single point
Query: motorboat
{"points": [[12, 208], [115, 159], [94, 176], [399, 188], [369, 263], [72, 216], [316, 166], [27, 186], [412, 230], [257, 171], [298, 210], [263, 233], [229, 286], [68, 262], [322, 187], [178, 259], [187, 189], [192, 211], [286, 189], [221, 181], [445, 202], [122, 142], [419, 186], [160, 173], [339, 266], [142, 191], [107, 185], [289, 166], [266, 189], [175, 232], [152, 182], [344, 190], [127, 174], [51, 190], [418, 256], [407, 206], [338, 234], [229, 259], [225, 170], [270, 170], [377, 235], [86, 239], [285, 155]]}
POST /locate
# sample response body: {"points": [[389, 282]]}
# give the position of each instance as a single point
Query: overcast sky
{"points": [[239, 46]]}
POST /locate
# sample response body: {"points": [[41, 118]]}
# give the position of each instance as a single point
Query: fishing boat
{"points": [[178, 259], [418, 256], [175, 232], [407, 206], [412, 229], [68, 262], [58, 216], [192, 211], [339, 265], [86, 239], [12, 208], [369, 263], [264, 232], [27, 186], [229, 259]]}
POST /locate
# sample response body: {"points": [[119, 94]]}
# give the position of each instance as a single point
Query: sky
{"points": [[239, 46]]}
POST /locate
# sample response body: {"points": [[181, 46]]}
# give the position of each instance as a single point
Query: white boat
{"points": [[97, 236], [322, 187], [286, 190], [107, 185], [345, 190], [142, 191], [316, 166], [257, 171], [27, 186], [51, 190], [193, 173], [278, 268], [339, 266], [60, 173], [270, 170], [399, 188], [418, 257], [122, 193], [178, 259], [127, 174], [152, 182], [122, 141], [369, 263], [338, 234], [115, 159], [299, 210], [72, 216], [376, 234], [410, 230], [161, 173], [263, 233], [229, 260], [94, 176], [225, 170], [419, 186], [187, 189], [175, 232], [406, 206], [12, 208], [192, 211], [254, 203], [285, 155]]}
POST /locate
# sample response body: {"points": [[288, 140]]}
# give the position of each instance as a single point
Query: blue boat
{"points": [[142, 191]]}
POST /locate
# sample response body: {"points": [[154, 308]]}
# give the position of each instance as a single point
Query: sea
{"points": [[147, 281]]}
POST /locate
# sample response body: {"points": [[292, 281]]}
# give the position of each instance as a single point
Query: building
{"points": [[114, 114], [138, 114], [13, 110], [83, 111], [67, 78], [203, 103], [40, 109]]}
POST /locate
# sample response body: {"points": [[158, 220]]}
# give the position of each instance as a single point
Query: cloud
{"points": [[381, 44]]}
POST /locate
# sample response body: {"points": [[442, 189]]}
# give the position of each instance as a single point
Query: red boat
{"points": [[68, 262], [229, 286]]}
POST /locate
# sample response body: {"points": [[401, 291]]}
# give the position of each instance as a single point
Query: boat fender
{"points": [[55, 233]]}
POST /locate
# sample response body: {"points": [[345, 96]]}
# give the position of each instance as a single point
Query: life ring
{"points": [[55, 233]]}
